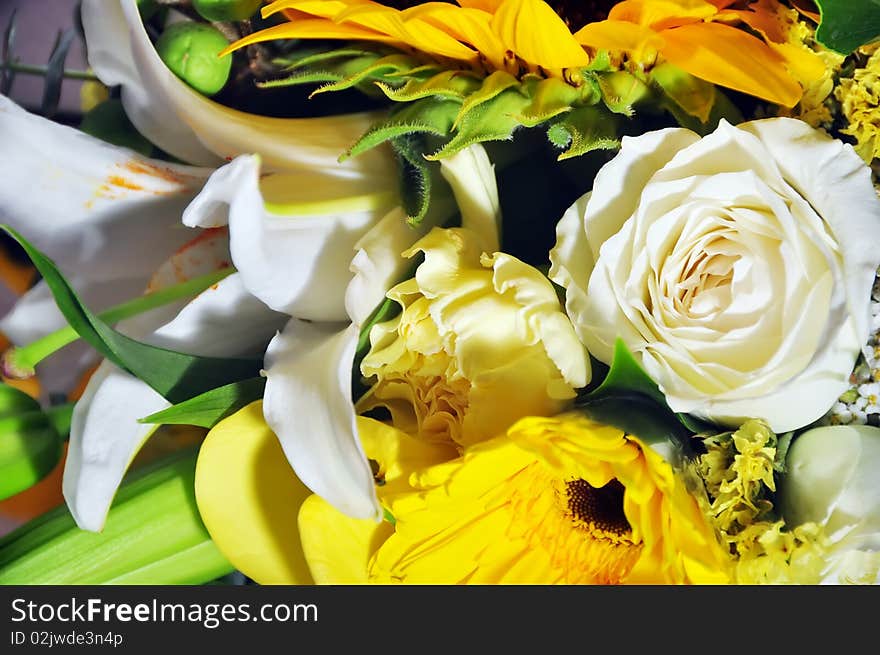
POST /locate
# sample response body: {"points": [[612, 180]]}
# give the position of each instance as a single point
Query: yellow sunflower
{"points": [[531, 36]]}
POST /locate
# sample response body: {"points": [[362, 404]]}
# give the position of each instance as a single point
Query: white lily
{"points": [[308, 401], [200, 131], [223, 321], [75, 197]]}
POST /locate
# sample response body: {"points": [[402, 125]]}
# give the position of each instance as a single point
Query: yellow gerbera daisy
{"points": [[531, 36], [556, 500]]}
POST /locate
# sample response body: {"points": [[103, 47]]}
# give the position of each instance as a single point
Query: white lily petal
{"points": [[471, 175], [35, 315], [307, 403], [198, 130], [104, 438], [222, 321], [297, 262], [90, 195]]}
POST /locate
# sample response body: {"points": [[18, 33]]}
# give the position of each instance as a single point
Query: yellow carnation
{"points": [[480, 341]]}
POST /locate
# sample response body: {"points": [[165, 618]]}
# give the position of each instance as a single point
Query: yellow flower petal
{"points": [[337, 547], [618, 35], [472, 26], [732, 58], [536, 34], [317, 28], [248, 497], [661, 14], [415, 32]]}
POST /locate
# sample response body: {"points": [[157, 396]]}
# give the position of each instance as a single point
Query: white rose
{"points": [[737, 267]]}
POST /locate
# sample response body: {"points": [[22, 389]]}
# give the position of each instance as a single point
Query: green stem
{"points": [[59, 416], [42, 71], [20, 362]]}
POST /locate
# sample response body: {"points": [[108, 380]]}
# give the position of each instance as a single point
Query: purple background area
{"points": [[37, 25]]}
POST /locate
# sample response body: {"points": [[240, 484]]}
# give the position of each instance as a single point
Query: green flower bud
{"points": [[30, 446], [153, 535], [190, 50], [226, 10], [109, 122]]}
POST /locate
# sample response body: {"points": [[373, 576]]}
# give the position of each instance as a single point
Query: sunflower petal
{"points": [[731, 58], [536, 33]]}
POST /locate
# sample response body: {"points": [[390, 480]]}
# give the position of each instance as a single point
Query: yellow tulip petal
{"points": [[338, 548], [249, 497], [536, 34], [731, 58]]}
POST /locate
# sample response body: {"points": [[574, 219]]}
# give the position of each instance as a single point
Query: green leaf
{"points": [[583, 130], [847, 25], [637, 415], [323, 56], [391, 66], [621, 90], [174, 375], [627, 376], [427, 116], [492, 120], [415, 176], [448, 84], [153, 535], [496, 83], [549, 97], [694, 96], [211, 407]]}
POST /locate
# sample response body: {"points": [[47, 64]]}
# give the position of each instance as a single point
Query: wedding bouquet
{"points": [[494, 291]]}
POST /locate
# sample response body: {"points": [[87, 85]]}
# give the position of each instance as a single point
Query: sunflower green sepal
{"points": [[30, 444], [153, 535], [463, 106]]}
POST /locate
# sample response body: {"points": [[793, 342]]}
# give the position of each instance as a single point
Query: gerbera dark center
{"points": [[600, 507]]}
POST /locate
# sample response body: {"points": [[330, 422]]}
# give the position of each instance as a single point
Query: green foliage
{"points": [[848, 24], [153, 535], [211, 407], [176, 376]]}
